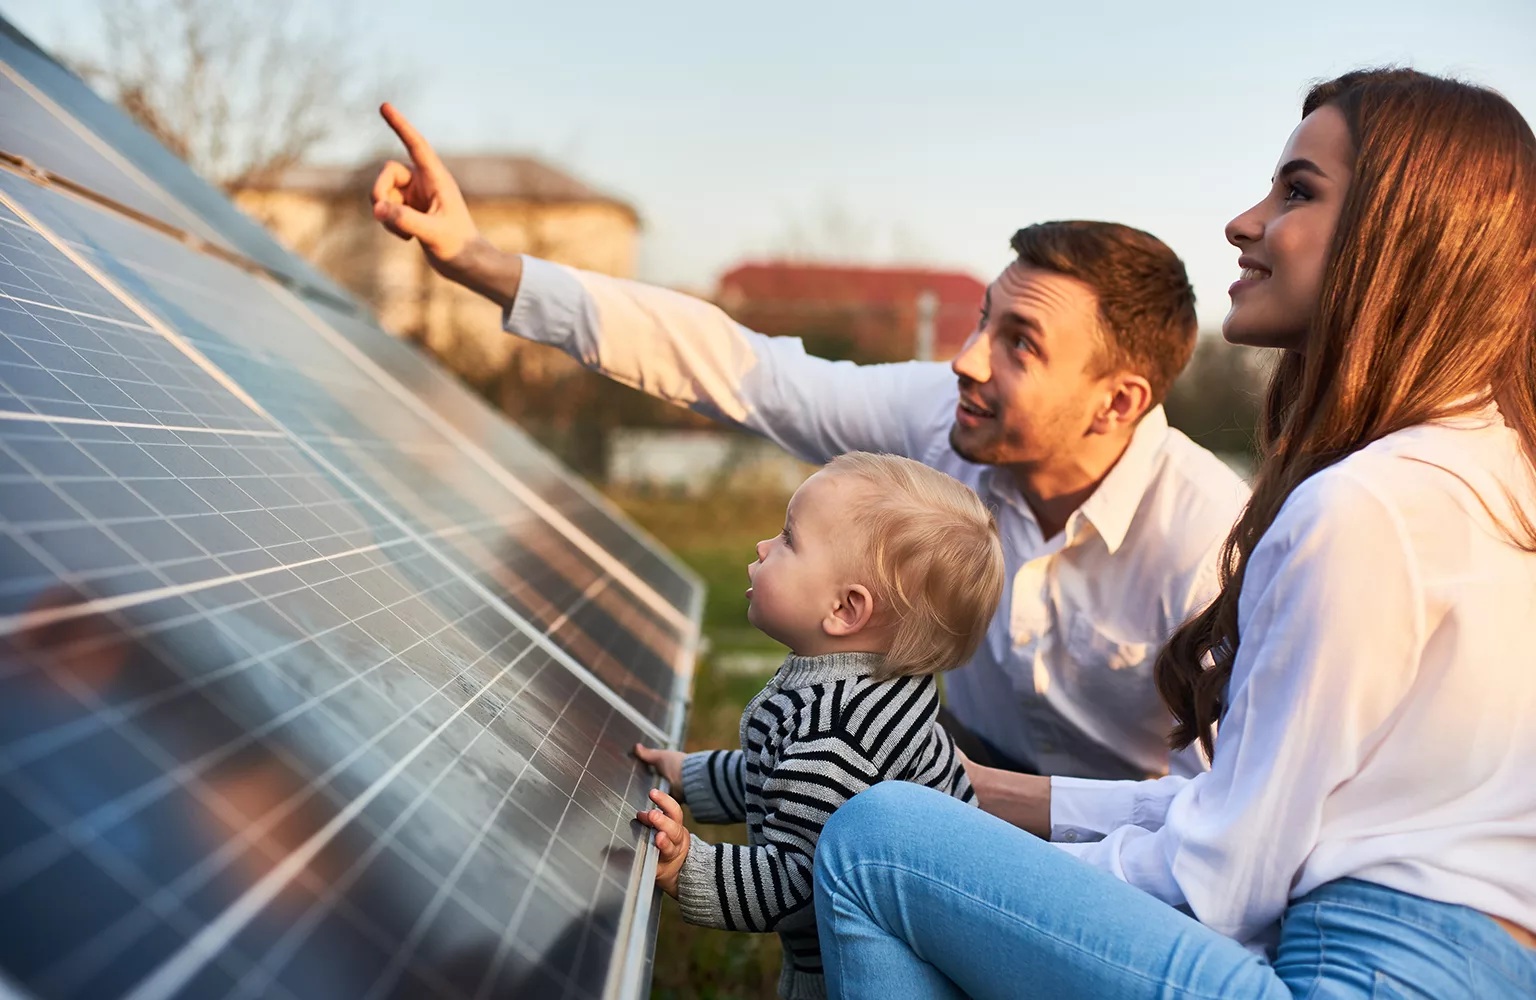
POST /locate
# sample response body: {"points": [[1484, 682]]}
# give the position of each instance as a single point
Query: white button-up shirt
{"points": [[1381, 718], [1064, 678]]}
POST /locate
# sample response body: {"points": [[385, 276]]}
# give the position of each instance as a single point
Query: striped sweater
{"points": [[822, 731]]}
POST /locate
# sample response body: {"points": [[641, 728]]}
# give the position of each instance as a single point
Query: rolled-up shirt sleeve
{"points": [[1332, 625], [690, 353]]}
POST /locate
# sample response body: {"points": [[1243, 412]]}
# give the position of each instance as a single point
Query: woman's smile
{"points": [[1253, 272]]}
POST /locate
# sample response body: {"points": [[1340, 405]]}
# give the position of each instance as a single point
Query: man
{"points": [[1111, 521]]}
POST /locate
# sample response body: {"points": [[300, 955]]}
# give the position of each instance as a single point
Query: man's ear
{"points": [[1127, 398], [852, 613]]}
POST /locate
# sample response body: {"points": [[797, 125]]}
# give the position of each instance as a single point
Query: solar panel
{"points": [[317, 679], [168, 190], [33, 134], [591, 512]]}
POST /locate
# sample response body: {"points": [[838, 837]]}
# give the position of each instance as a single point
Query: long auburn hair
{"points": [[1427, 310]]}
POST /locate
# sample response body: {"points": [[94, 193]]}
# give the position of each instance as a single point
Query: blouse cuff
{"points": [[1085, 809]]}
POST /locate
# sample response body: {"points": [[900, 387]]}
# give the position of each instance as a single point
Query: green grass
{"points": [[716, 538]]}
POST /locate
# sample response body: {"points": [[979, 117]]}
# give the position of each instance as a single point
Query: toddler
{"points": [[886, 573]]}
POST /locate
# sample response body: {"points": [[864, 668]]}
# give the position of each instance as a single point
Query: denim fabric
{"points": [[919, 896]]}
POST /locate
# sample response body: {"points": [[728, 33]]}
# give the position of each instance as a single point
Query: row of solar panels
{"points": [[317, 678]]}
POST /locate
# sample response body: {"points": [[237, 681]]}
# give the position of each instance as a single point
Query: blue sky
{"points": [[900, 130]]}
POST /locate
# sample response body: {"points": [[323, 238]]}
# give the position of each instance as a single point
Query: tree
{"points": [[240, 89], [1216, 400]]}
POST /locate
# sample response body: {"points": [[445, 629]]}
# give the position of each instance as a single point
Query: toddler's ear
{"points": [[852, 613]]}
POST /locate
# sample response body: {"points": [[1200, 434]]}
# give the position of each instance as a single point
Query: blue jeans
{"points": [[918, 895]]}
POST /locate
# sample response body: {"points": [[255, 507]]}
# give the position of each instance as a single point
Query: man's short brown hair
{"points": [[1146, 303]]}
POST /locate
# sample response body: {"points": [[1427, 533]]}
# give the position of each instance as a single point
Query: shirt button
{"points": [[1070, 836]]}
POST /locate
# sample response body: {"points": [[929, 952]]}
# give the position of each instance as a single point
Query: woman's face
{"points": [[1284, 239]]}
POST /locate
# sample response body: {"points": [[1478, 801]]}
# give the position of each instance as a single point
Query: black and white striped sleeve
{"points": [[715, 786], [769, 887], [938, 766], [894, 724]]}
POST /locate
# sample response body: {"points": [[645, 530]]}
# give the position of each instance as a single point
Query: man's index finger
{"points": [[415, 144]]}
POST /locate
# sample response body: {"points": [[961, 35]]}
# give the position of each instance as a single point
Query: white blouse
{"points": [[1382, 719]]}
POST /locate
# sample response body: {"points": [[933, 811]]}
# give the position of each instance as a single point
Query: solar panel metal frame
{"points": [[629, 967]]}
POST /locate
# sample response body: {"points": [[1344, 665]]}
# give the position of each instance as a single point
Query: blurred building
{"points": [[863, 313], [866, 314], [521, 204]]}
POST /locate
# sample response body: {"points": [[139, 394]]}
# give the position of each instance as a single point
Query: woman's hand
{"points": [[671, 838], [667, 763], [1021, 799]]}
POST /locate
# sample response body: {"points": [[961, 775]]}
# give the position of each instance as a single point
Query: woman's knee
{"points": [[873, 824], [886, 806], [891, 795]]}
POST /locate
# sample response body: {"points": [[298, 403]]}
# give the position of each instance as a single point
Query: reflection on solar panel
{"points": [[317, 678], [123, 163]]}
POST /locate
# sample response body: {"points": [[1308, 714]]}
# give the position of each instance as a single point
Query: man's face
{"points": [[1029, 375]]}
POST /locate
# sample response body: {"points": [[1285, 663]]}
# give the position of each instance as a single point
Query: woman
{"points": [[1369, 819]]}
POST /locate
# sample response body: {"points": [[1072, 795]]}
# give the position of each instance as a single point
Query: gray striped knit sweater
{"points": [[819, 733]]}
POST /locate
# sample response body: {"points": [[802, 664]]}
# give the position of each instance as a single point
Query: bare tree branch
{"points": [[240, 89]]}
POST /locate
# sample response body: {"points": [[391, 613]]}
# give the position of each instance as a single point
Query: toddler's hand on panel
{"points": [[667, 763], [671, 839]]}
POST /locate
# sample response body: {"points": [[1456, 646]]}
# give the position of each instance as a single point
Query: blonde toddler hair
{"points": [[933, 556]]}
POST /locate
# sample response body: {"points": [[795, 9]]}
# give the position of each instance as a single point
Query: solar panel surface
{"points": [[176, 195], [316, 678]]}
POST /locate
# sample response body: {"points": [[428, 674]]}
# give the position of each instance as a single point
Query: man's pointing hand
{"points": [[423, 202]]}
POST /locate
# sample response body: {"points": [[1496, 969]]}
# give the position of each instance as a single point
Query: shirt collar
{"points": [[1113, 505]]}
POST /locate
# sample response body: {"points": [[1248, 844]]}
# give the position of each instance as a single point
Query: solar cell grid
{"points": [[358, 429], [80, 109], [315, 671], [71, 349], [34, 131], [517, 452], [303, 383], [227, 776], [200, 474], [115, 510], [309, 686]]}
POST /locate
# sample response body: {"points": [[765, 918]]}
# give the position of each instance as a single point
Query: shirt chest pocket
{"points": [[1094, 647], [1109, 669]]}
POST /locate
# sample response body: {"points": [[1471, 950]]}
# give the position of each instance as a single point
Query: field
{"points": [[716, 537]]}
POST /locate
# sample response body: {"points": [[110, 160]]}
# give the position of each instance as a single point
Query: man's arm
{"points": [[422, 202], [670, 345], [690, 353]]}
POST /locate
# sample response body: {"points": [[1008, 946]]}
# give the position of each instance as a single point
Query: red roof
{"points": [[885, 296]]}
